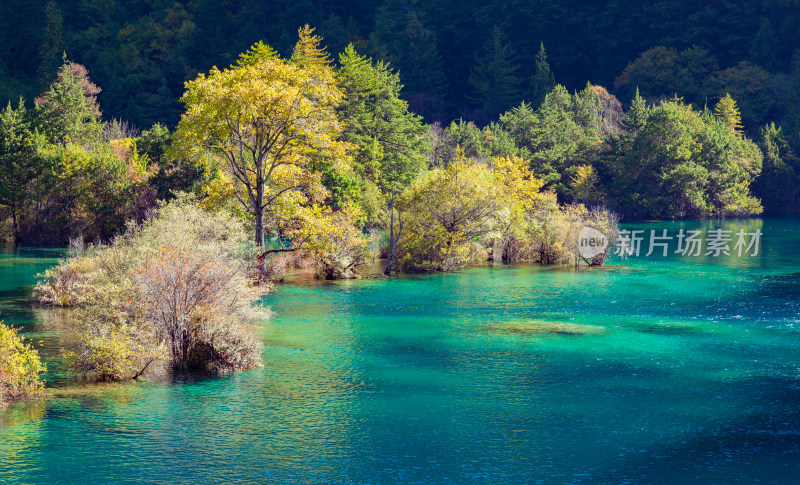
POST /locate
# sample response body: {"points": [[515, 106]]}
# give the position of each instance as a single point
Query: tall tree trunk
{"points": [[389, 268], [259, 228], [15, 224], [391, 265], [259, 215]]}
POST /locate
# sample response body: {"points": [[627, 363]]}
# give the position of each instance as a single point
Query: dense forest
{"points": [[665, 110], [141, 52]]}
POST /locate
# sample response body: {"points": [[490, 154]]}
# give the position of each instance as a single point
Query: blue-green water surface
{"points": [[688, 371]]}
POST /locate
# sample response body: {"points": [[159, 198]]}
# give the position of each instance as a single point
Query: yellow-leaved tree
{"points": [[521, 194], [727, 111], [450, 217], [262, 122]]}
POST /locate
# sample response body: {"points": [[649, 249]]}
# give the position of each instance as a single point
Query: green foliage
{"points": [[778, 186], [143, 52], [543, 81], [89, 191], [392, 142], [661, 72], [493, 76], [51, 49], [21, 369], [257, 53], [69, 109], [482, 144], [343, 184], [355, 144], [20, 160], [173, 174], [402, 39], [636, 117], [562, 134], [62, 174], [683, 163]]}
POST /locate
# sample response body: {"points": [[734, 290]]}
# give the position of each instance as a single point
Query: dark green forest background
{"points": [[656, 110], [141, 52]]}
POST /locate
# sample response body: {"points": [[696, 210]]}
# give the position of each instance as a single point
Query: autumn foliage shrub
{"points": [[20, 367], [448, 214], [177, 290], [469, 212], [338, 246]]}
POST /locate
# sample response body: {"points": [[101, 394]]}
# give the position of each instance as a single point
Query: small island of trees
{"points": [[307, 161]]}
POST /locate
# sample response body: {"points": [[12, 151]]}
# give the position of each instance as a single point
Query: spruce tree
{"points": [[69, 109], [392, 141], [258, 52], [20, 161], [636, 117], [542, 81], [493, 76]]}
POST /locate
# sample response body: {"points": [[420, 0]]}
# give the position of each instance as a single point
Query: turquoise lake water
{"points": [[689, 373]]}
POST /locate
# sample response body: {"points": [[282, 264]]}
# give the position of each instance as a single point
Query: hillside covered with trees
{"points": [[668, 126], [469, 61], [141, 52]]}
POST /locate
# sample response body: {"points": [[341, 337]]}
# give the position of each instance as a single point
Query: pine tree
{"points": [[51, 49], [401, 38], [69, 109], [543, 80], [636, 117], [393, 141], [258, 52], [493, 76], [727, 111], [20, 161], [309, 50]]}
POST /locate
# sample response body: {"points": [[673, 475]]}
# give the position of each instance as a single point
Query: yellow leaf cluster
{"points": [[20, 367]]}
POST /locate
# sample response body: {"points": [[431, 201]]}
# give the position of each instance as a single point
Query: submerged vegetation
{"points": [[178, 290], [545, 327]]}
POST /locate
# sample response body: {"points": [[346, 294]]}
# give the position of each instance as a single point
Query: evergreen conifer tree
{"points": [[542, 81], [727, 111], [493, 76]]}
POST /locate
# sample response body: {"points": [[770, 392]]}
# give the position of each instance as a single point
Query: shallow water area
{"points": [[649, 370]]}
